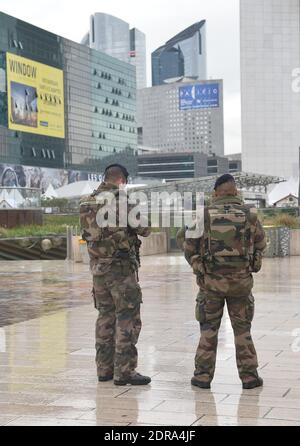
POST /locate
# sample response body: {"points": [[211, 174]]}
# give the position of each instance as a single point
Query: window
{"points": [[212, 163]]}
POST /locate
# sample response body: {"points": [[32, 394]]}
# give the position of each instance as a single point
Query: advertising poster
{"points": [[35, 97], [193, 97]]}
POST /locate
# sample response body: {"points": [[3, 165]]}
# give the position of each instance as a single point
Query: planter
{"points": [[34, 248]]}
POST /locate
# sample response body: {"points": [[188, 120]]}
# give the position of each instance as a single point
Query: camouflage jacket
{"points": [[114, 244], [228, 272]]}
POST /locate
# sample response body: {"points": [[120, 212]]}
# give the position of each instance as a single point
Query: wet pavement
{"points": [[47, 372]]}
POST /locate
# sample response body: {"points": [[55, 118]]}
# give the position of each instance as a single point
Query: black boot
{"points": [[201, 384], [134, 380], [256, 382], [103, 379]]}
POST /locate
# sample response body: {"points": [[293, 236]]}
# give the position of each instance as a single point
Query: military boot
{"points": [[135, 380], [253, 383], [202, 384], [103, 379]]}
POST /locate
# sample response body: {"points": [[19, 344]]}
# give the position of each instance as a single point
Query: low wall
{"points": [[295, 242], [11, 218], [156, 243]]}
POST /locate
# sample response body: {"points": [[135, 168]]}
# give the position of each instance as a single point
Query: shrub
{"points": [[287, 221], [3, 232]]}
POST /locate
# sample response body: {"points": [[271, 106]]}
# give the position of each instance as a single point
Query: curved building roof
{"points": [[183, 35]]}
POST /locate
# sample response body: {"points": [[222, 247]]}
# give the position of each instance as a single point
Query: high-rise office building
{"points": [[112, 36], [184, 116], [270, 53], [183, 55], [62, 105], [138, 56]]}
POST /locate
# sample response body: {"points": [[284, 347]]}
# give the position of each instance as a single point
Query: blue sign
{"points": [[193, 97]]}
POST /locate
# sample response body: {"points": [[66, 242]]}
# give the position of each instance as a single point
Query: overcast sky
{"points": [[159, 20]]}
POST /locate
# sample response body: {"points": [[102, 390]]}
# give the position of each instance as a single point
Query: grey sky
{"points": [[159, 20]]}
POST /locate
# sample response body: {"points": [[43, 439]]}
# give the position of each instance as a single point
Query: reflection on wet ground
{"points": [[30, 289], [47, 373]]}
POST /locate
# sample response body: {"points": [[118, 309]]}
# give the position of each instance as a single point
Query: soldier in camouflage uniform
{"points": [[223, 259], [117, 294]]}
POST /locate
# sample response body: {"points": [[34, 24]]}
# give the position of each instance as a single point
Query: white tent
{"points": [[81, 188], [16, 197], [7, 204], [4, 195], [78, 189], [283, 190], [50, 192]]}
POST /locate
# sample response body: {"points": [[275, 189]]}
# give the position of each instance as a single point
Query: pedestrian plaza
{"points": [[47, 369]]}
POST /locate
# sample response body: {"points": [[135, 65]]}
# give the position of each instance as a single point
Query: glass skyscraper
{"points": [[112, 36], [182, 56], [138, 56]]}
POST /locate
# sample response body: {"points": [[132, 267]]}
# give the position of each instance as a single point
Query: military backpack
{"points": [[229, 236]]}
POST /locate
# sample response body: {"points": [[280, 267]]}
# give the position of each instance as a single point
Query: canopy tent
{"points": [[7, 199], [82, 188], [16, 197], [50, 192], [77, 190]]}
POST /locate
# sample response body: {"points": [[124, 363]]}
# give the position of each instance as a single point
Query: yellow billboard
{"points": [[35, 97]]}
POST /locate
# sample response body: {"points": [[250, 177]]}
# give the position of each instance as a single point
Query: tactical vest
{"points": [[228, 243]]}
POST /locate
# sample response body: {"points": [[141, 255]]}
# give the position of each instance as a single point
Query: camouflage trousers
{"points": [[117, 297], [209, 312]]}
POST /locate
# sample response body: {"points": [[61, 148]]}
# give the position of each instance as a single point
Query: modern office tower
{"points": [[184, 116], [270, 71], [183, 55], [62, 105], [112, 36], [138, 56]]}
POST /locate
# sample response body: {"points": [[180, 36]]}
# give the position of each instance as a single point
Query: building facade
{"points": [[96, 110], [112, 36], [183, 116], [270, 62], [182, 56], [183, 166], [138, 56]]}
